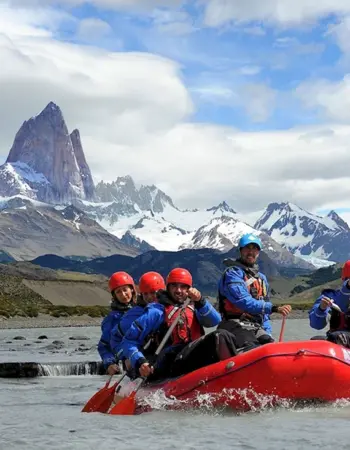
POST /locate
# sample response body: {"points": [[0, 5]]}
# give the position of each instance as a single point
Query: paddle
{"points": [[102, 400], [127, 405], [282, 329]]}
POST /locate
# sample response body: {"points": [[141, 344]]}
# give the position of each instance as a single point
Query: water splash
{"points": [[247, 401]]}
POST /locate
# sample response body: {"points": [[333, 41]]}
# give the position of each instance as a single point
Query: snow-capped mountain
{"points": [[29, 229], [220, 233], [46, 166], [124, 191], [223, 233], [306, 234], [165, 230], [46, 163]]}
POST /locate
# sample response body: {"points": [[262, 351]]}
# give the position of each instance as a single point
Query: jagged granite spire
{"points": [[85, 173], [43, 162]]}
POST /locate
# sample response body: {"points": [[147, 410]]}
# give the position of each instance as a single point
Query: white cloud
{"points": [[173, 22], [92, 28], [258, 100], [282, 12], [341, 31], [133, 112], [137, 5], [250, 70], [332, 99]]}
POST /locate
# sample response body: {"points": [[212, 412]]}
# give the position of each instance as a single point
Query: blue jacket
{"points": [[151, 322], [119, 330], [233, 287], [341, 297], [104, 347]]}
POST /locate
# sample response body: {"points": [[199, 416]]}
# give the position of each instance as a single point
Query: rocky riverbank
{"points": [[47, 321]]}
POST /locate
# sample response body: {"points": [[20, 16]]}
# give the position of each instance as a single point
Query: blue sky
{"points": [[217, 62]]}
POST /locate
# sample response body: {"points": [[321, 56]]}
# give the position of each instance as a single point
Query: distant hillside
{"points": [[27, 290], [205, 265], [310, 295]]}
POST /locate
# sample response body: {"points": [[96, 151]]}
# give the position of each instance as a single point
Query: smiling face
{"points": [[178, 291], [250, 253]]}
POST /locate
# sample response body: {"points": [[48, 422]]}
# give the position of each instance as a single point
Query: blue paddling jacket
{"points": [[244, 290], [157, 318], [318, 317], [108, 323], [120, 329]]}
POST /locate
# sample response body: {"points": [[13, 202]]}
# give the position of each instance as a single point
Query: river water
{"points": [[45, 412]]}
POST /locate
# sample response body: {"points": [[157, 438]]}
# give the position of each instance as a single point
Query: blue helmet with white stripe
{"points": [[250, 238]]}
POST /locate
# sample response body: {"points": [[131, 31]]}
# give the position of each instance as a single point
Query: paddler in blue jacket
{"points": [[329, 302], [243, 294], [122, 288], [149, 284], [159, 316]]}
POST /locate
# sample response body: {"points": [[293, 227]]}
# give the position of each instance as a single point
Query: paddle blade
{"points": [[102, 400], [126, 406]]}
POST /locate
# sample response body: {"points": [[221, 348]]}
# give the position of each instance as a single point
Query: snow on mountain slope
{"points": [[160, 234], [317, 262], [223, 233], [165, 230], [20, 178], [191, 220], [306, 234]]}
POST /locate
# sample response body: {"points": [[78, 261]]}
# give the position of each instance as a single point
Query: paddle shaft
{"points": [[164, 340], [282, 329]]}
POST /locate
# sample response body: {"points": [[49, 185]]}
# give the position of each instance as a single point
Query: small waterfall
{"points": [[34, 369], [69, 369]]}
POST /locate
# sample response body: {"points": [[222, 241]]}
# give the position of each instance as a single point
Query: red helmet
{"points": [[119, 279], [179, 275], [151, 282], [345, 273]]}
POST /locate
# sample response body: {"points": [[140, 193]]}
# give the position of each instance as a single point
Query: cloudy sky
{"points": [[244, 101]]}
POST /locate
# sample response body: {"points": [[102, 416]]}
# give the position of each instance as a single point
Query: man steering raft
{"points": [[244, 297]]}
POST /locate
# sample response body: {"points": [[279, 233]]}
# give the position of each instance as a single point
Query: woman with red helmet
{"points": [[160, 315], [149, 285], [122, 288]]}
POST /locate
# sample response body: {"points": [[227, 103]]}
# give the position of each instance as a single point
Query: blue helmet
{"points": [[249, 238]]}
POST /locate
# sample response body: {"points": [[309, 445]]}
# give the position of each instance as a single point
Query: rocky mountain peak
{"points": [[338, 220], [152, 198], [223, 207], [124, 191], [44, 163], [85, 173]]}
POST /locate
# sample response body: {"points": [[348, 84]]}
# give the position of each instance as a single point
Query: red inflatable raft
{"points": [[295, 371]]}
